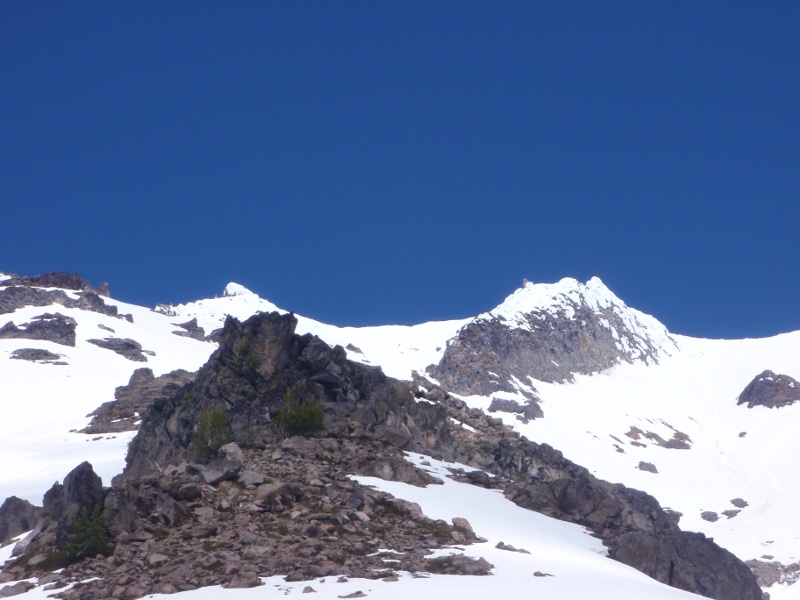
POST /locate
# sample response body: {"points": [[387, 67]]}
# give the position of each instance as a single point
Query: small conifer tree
{"points": [[89, 535], [295, 418]]}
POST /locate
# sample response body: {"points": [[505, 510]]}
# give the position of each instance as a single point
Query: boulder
{"points": [[771, 390], [130, 349], [55, 328], [17, 516]]}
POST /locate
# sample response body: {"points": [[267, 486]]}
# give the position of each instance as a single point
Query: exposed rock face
{"points": [[82, 488], [538, 477], [67, 281], [17, 516], [770, 573], [12, 298], [36, 355], [51, 327], [248, 377], [585, 330], [309, 520], [770, 390], [191, 329], [130, 349], [530, 410], [676, 558], [132, 400]]}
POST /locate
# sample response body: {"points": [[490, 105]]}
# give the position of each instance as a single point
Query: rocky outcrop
{"points": [[50, 327], [307, 519], [191, 329], [538, 477], [62, 503], [771, 390], [772, 572], [131, 401], [130, 349], [49, 289], [12, 298], [579, 329], [17, 516], [66, 281], [37, 355], [678, 559], [529, 410], [249, 377]]}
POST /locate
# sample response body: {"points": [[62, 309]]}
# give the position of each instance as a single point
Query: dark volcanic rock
{"points": [[551, 346], [631, 523], [770, 390], [132, 400], [130, 349], [12, 298], [192, 330], [530, 410], [249, 376], [679, 559], [82, 488], [67, 281], [35, 355], [18, 292], [17, 516], [51, 327]]}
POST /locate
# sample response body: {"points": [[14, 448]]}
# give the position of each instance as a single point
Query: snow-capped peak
{"points": [[638, 334], [562, 296], [236, 289]]}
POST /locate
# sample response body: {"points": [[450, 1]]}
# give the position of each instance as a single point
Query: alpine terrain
{"points": [[561, 445]]}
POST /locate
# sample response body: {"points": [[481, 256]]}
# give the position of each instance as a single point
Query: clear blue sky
{"points": [[374, 162]]}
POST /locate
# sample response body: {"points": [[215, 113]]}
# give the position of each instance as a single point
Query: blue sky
{"points": [[376, 162]]}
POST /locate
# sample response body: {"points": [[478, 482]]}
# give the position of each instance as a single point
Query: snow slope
{"points": [[44, 404]]}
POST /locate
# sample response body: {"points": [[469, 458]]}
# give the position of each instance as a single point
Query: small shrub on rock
{"points": [[212, 432], [295, 418]]}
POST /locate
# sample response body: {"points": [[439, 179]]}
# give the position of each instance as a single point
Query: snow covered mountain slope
{"points": [[619, 395], [645, 401], [45, 403]]}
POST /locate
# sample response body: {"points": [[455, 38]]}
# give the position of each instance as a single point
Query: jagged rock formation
{"points": [[130, 349], [191, 329], [167, 515], [67, 281], [524, 412], [131, 401], [548, 333], [17, 516], [51, 327], [62, 503], [14, 297], [258, 361], [770, 390]]}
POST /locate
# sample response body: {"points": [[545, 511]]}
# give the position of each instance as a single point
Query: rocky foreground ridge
{"points": [[188, 512]]}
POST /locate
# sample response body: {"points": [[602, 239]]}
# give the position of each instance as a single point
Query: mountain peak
{"points": [[235, 289], [562, 296]]}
